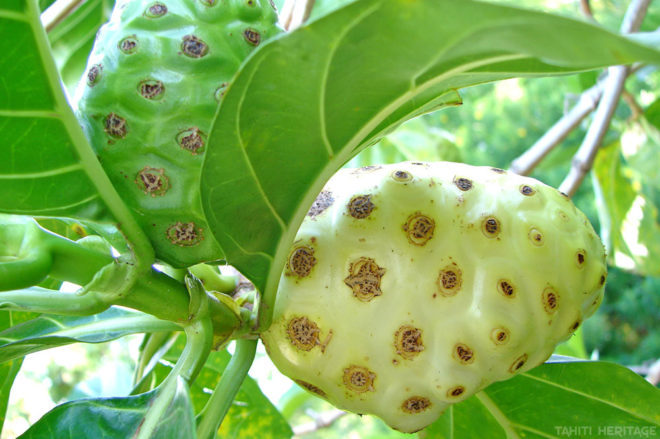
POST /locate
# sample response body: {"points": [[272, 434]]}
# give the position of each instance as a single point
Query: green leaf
{"points": [[47, 167], [48, 331], [8, 372], [591, 396], [73, 38], [128, 417], [281, 133]]}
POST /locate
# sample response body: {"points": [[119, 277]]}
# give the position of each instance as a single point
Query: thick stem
{"points": [[42, 300], [225, 392]]}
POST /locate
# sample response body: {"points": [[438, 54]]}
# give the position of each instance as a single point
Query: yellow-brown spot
{"points": [[359, 379], [419, 228], [499, 336], [455, 392], [360, 206], [581, 258], [252, 36], [364, 277], [449, 280], [518, 363], [151, 89], [115, 126], [184, 234], [152, 181], [535, 237], [526, 190], [191, 140], [506, 288], [416, 404], [491, 227], [303, 333], [312, 388], [463, 184], [550, 300], [401, 176], [463, 353], [408, 342], [194, 47], [301, 261]]}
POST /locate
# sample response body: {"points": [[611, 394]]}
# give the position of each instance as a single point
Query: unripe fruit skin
{"points": [[153, 81], [413, 286]]}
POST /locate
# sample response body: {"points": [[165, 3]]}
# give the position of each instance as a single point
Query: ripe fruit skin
{"points": [[413, 286], [146, 102]]}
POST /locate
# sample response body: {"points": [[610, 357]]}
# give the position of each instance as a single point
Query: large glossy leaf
{"points": [[46, 165], [307, 102], [586, 397], [169, 409], [72, 39], [47, 332]]}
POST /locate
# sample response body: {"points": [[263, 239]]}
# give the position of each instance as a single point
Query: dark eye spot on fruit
{"points": [[536, 237], [450, 280], [364, 277], [527, 190], [415, 404], [94, 74], [463, 353], [455, 391], [303, 333], [152, 181], [156, 10], [359, 379], [151, 89], [498, 170], [581, 257], [408, 341], [419, 228], [550, 300], [518, 363], [575, 325], [115, 126], [301, 261], [463, 184], [322, 202], [128, 45], [310, 387], [491, 227], [506, 288], [194, 47], [602, 280], [184, 234], [252, 36], [499, 336], [360, 206], [191, 140], [401, 176]]}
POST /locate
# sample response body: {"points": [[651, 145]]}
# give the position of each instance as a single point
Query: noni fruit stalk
{"points": [[412, 286], [146, 103]]}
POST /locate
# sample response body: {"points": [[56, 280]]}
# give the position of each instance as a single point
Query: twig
{"points": [[295, 13], [57, 12], [323, 420], [584, 158], [587, 103], [585, 7], [635, 108]]}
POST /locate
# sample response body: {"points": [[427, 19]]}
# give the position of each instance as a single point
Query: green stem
{"points": [[43, 300], [225, 392], [199, 341]]}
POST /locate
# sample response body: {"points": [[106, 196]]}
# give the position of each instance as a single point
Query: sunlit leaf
{"points": [[307, 102], [592, 396], [49, 331]]}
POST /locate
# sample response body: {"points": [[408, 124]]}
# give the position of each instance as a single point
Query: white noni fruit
{"points": [[413, 286]]}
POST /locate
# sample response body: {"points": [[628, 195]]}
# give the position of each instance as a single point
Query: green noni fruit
{"points": [[153, 81], [412, 286]]}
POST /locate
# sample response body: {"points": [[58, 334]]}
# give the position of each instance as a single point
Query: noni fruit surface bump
{"points": [[412, 286], [146, 103]]}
